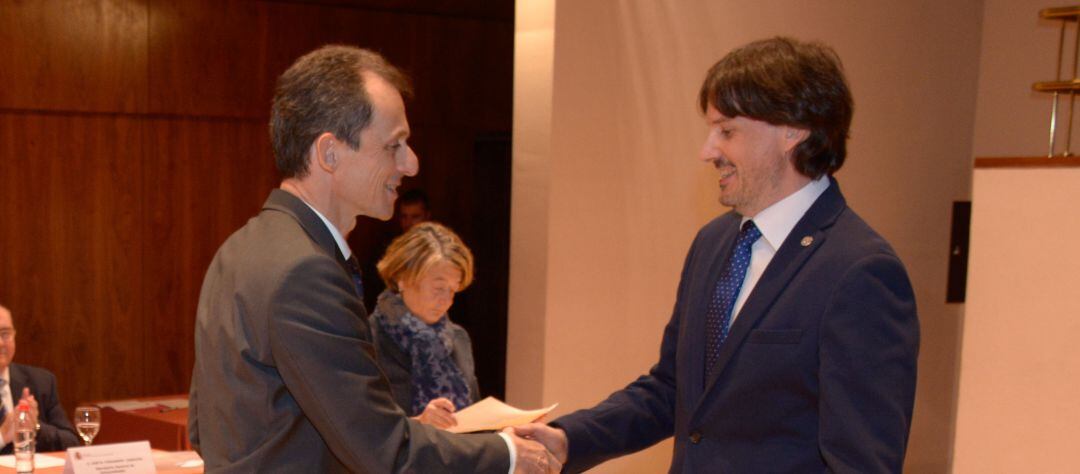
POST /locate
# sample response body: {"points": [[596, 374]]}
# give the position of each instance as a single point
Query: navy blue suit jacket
{"points": [[56, 433], [817, 374]]}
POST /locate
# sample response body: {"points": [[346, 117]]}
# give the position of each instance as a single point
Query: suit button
{"points": [[695, 437]]}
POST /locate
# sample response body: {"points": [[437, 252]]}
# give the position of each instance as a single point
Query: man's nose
{"points": [[411, 164], [708, 152]]}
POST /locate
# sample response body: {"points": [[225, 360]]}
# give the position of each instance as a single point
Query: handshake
{"points": [[540, 448]]}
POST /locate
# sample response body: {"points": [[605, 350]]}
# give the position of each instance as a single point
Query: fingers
{"points": [[439, 413], [441, 419], [443, 404], [531, 456], [554, 465], [553, 439], [525, 431]]}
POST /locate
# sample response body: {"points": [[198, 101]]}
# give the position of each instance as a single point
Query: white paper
{"points": [[128, 405], [191, 463], [173, 403], [41, 461], [169, 460], [492, 414], [119, 458]]}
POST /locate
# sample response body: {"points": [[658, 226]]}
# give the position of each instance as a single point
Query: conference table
{"points": [[160, 420], [164, 461]]}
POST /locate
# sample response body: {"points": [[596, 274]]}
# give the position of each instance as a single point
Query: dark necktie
{"points": [[718, 313], [354, 272]]}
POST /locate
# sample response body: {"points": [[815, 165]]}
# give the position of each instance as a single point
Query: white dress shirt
{"points": [[775, 223], [5, 392], [341, 243], [9, 403]]}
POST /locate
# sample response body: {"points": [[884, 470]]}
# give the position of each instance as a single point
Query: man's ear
{"points": [[324, 148], [793, 137]]}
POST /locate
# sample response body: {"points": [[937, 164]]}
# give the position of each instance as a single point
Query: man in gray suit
{"points": [[285, 376]]}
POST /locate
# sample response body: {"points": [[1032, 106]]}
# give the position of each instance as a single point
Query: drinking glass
{"points": [[87, 422]]}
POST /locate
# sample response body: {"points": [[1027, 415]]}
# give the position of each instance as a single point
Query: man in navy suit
{"points": [[38, 387], [794, 338]]}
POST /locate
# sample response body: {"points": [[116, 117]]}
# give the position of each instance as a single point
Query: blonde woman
{"points": [[427, 358]]}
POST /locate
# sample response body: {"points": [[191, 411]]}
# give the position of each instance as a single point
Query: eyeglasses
{"points": [[7, 335]]}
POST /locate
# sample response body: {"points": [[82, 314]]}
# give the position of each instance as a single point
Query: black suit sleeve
{"points": [[868, 355], [56, 433]]}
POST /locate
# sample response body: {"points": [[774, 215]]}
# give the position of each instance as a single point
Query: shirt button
{"points": [[695, 437]]}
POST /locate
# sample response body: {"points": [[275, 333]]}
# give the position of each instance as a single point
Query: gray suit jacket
{"points": [[398, 364], [285, 378]]}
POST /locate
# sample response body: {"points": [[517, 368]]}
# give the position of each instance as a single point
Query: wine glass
{"points": [[87, 422]]}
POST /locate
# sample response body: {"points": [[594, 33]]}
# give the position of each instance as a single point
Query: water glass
{"points": [[87, 422]]}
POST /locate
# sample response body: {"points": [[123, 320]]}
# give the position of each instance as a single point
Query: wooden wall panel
{"points": [[206, 180], [207, 58], [298, 28], [133, 141], [487, 9], [73, 55], [71, 245], [460, 86]]}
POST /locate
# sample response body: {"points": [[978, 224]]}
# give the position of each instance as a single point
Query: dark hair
{"points": [[783, 81], [414, 196], [321, 92]]}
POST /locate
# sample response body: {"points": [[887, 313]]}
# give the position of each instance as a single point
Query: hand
{"points": [[29, 397], [532, 457], [438, 413], [7, 429], [554, 439]]}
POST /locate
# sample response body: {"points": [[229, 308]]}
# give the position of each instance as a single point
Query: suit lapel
{"points": [[699, 298], [18, 382], [785, 265], [284, 201]]}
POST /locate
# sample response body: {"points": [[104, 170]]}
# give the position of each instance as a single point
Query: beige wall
{"points": [[1018, 390], [534, 41], [1020, 377], [608, 191]]}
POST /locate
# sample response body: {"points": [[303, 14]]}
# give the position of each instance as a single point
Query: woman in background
{"points": [[427, 358]]}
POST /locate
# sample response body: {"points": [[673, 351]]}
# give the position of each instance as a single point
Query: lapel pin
{"points": [[806, 241]]}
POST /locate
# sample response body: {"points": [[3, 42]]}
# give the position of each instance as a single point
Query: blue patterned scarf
{"points": [[434, 372]]}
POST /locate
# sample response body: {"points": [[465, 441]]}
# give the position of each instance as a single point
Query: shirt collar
{"points": [[777, 220], [341, 243]]}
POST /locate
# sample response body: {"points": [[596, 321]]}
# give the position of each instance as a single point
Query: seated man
{"points": [[38, 387]]}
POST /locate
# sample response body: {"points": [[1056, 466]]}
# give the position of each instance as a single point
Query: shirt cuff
{"points": [[513, 451]]}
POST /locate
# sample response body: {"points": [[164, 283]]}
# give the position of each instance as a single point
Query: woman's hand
{"points": [[438, 413]]}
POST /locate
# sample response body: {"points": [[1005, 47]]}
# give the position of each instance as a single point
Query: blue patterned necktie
{"points": [[718, 313]]}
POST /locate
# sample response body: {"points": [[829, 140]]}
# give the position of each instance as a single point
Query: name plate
{"points": [[119, 458]]}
